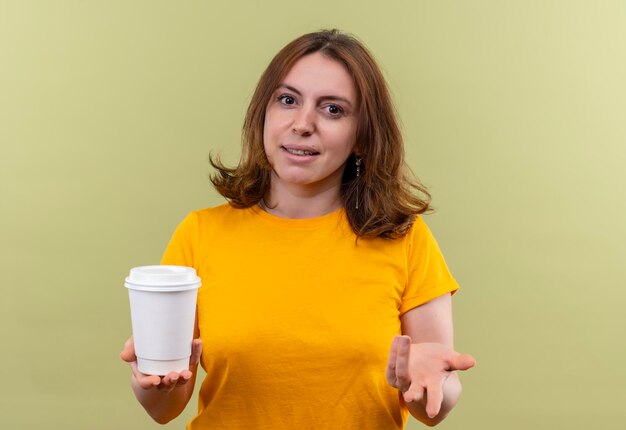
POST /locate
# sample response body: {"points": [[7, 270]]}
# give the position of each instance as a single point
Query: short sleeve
{"points": [[428, 274], [180, 249]]}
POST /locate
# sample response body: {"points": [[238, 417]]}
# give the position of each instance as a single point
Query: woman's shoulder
{"points": [[213, 210], [215, 215], [418, 224], [419, 232], [212, 214]]}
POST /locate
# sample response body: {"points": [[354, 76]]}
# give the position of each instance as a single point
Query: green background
{"points": [[514, 114]]}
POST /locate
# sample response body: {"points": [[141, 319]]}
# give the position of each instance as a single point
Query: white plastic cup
{"points": [[162, 309]]}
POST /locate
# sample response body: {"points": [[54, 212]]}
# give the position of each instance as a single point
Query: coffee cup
{"points": [[162, 306]]}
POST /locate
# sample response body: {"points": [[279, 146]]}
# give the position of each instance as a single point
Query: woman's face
{"points": [[310, 124]]}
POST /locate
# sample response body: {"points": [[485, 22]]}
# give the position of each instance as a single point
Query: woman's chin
{"points": [[293, 178], [297, 181]]}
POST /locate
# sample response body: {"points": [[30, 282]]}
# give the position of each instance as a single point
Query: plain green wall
{"points": [[514, 114]]}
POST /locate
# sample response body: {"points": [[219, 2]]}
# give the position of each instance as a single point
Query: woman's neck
{"points": [[296, 202]]}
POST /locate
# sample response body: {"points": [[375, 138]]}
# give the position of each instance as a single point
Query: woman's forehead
{"points": [[318, 75]]}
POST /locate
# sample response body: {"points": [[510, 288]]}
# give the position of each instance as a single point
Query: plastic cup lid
{"points": [[162, 278]]}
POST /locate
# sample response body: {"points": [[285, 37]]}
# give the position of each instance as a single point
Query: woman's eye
{"points": [[334, 110], [288, 100]]}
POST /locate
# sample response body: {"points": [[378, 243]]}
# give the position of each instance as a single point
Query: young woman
{"points": [[326, 302]]}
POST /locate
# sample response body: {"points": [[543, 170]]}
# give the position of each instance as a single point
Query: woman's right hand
{"points": [[162, 383]]}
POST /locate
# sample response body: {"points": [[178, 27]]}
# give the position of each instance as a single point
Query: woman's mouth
{"points": [[300, 152]]}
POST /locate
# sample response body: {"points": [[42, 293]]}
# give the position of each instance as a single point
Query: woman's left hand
{"points": [[419, 370]]}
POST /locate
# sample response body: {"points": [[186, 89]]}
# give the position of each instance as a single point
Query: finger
{"points": [[171, 379], [185, 376], [403, 379], [128, 353], [168, 382], [144, 381], [415, 393], [461, 362], [434, 398], [391, 362], [196, 352]]}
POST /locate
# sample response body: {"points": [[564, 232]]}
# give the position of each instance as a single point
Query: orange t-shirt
{"points": [[297, 318]]}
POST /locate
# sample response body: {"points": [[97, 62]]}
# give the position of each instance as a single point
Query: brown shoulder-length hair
{"points": [[385, 199]]}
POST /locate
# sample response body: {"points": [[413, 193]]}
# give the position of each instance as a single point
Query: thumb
{"points": [[196, 352], [128, 353], [461, 362]]}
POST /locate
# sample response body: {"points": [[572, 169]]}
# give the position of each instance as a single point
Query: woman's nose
{"points": [[304, 121]]}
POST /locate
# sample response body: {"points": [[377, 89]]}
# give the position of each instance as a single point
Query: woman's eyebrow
{"points": [[337, 98]]}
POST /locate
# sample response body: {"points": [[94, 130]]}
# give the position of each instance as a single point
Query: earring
{"points": [[358, 173]]}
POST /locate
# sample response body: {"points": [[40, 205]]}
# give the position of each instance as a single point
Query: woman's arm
{"points": [[423, 363]]}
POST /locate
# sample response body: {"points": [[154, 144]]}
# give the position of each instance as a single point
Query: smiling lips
{"points": [[300, 152]]}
